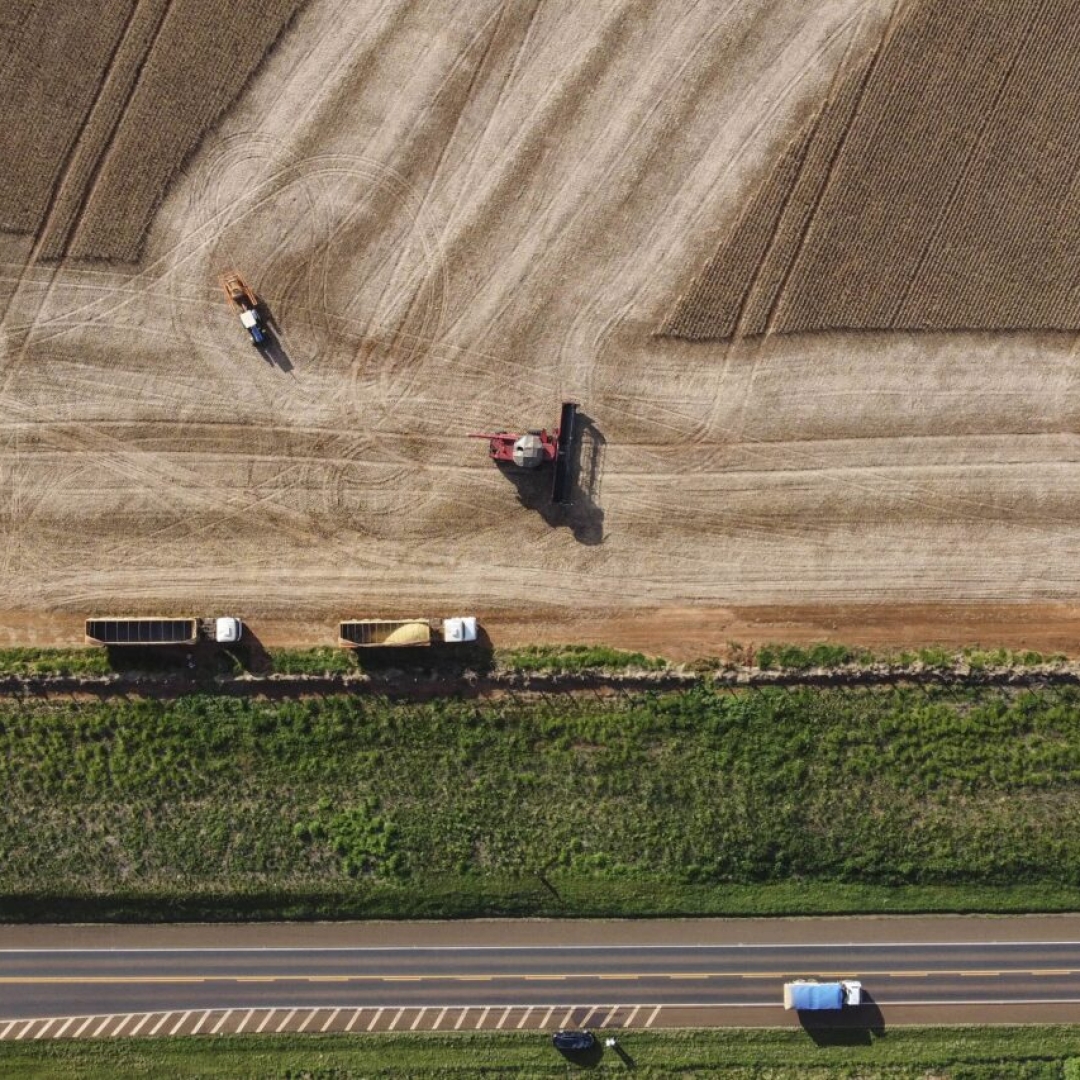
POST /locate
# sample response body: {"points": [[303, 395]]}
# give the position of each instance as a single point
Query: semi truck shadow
{"points": [[439, 660], [858, 1025], [582, 515]]}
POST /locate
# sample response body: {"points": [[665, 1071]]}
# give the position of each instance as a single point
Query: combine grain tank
{"points": [[142, 631], [387, 633]]}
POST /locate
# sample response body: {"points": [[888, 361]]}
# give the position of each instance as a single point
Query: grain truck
{"points": [[394, 633]]}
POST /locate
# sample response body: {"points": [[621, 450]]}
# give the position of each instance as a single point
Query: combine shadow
{"points": [[859, 1025], [274, 352], [582, 515]]}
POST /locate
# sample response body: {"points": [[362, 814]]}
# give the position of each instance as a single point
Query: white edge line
{"points": [[615, 947]]}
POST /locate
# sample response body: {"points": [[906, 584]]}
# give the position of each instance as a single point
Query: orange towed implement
{"points": [[247, 305]]}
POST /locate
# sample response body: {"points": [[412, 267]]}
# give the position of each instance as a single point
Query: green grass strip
{"points": [[962, 1053], [690, 802]]}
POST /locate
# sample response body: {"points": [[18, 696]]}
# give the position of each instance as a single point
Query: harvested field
{"points": [[937, 190], [459, 216]]}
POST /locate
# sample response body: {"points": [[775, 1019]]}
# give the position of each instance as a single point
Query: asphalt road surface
{"points": [[730, 969]]}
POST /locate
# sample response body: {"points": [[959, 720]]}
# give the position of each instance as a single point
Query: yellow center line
{"points": [[627, 976]]}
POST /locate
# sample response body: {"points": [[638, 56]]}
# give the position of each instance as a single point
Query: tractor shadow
{"points": [[582, 515], [274, 351], [859, 1025]]}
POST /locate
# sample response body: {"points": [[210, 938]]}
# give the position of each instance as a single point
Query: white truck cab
{"points": [[227, 630], [462, 628]]}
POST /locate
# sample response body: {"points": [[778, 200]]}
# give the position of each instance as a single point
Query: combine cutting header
{"points": [[538, 447]]}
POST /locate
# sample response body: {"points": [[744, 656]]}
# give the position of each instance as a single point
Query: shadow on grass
{"points": [[439, 660], [584, 1059], [858, 1025]]}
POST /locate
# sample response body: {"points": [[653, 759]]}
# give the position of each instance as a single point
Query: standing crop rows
{"points": [[102, 103], [936, 192]]}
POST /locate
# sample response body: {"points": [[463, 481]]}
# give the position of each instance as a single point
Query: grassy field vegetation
{"points": [[689, 802], [1021, 1053], [832, 655], [573, 658]]}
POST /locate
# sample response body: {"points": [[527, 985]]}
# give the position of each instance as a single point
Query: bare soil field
{"points": [[935, 190], [459, 216]]}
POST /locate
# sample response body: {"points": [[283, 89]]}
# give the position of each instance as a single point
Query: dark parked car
{"points": [[573, 1041]]}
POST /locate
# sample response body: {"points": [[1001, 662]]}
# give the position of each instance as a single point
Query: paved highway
{"points": [[946, 963]]}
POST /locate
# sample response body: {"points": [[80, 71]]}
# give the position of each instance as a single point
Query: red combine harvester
{"points": [[538, 447]]}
